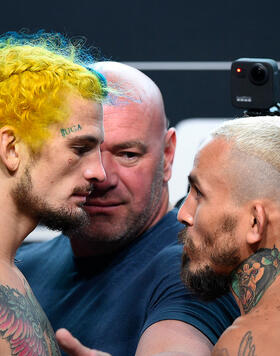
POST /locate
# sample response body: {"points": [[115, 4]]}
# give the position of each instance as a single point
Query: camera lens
{"points": [[259, 74]]}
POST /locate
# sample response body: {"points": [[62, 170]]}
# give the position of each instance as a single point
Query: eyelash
{"points": [[129, 155], [80, 150], [198, 192]]}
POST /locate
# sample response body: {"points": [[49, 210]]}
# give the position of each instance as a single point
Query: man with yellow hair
{"points": [[50, 131]]}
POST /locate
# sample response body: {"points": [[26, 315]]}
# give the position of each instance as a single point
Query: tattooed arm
{"points": [[24, 327]]}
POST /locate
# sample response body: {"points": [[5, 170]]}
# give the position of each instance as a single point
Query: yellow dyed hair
{"points": [[36, 72]]}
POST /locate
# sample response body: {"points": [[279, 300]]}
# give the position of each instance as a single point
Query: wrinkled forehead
{"points": [[133, 118]]}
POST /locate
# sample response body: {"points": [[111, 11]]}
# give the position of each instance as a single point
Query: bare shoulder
{"points": [[249, 337], [24, 327], [235, 342]]}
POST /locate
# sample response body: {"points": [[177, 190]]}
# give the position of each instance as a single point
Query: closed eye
{"points": [[197, 191], [82, 144], [80, 150]]}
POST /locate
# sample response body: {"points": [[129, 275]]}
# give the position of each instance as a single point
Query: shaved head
{"points": [[254, 162], [251, 177], [136, 87]]}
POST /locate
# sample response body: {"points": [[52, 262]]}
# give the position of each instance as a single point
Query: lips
{"points": [[100, 203]]}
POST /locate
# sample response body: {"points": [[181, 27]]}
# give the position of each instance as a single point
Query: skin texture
{"points": [[244, 251], [52, 183], [75, 164], [137, 152], [23, 324], [209, 203]]}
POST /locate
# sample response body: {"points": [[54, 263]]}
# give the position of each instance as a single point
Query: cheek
{"points": [[66, 165], [138, 183], [204, 226]]}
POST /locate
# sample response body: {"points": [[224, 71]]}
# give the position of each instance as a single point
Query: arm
{"points": [[173, 338], [176, 321], [165, 338]]}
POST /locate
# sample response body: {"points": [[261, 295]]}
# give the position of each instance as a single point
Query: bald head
{"points": [[136, 89]]}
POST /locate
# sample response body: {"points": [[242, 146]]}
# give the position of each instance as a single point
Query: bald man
{"points": [[116, 283]]}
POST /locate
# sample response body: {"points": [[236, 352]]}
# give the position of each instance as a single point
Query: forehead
{"points": [[84, 119], [131, 120], [86, 111], [211, 164]]}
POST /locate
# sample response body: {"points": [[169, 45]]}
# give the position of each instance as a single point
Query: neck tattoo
{"points": [[253, 277]]}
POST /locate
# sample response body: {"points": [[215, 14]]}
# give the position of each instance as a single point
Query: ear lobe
{"points": [[8, 149], [258, 223], [169, 152]]}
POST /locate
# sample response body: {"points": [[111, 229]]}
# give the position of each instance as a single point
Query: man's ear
{"points": [[169, 152], [9, 149], [257, 224]]}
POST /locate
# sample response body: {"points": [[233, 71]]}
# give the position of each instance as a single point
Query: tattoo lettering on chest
{"points": [[255, 275], [24, 324]]}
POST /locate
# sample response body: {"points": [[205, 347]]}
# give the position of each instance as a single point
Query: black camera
{"points": [[255, 85]]}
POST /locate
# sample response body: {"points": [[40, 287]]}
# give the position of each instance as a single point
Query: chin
{"points": [[204, 281]]}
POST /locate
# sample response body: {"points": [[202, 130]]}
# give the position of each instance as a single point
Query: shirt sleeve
{"points": [[171, 300]]}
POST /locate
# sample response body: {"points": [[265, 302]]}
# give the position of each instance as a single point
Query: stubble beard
{"points": [[203, 280], [128, 228], [61, 219]]}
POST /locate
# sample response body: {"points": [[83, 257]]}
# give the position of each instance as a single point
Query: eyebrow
{"points": [[83, 139], [193, 180], [131, 144]]}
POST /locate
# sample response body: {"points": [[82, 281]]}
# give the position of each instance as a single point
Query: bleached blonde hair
{"points": [[255, 155]]}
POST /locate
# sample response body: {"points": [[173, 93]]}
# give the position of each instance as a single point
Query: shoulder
{"points": [[248, 336], [171, 300], [36, 250], [168, 225], [231, 341]]}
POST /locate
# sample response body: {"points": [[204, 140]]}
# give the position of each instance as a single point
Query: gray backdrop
{"points": [[175, 33]]}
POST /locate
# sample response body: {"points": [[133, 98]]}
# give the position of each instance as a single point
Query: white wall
{"points": [[190, 134]]}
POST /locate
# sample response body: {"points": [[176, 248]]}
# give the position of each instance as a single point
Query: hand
{"points": [[73, 347]]}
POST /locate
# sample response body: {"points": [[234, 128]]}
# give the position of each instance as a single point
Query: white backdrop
{"points": [[190, 134]]}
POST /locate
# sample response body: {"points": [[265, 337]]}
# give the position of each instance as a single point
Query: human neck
{"points": [[254, 276], [14, 227]]}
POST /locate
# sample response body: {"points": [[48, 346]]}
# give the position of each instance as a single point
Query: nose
{"points": [[94, 169], [111, 169], [186, 212]]}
